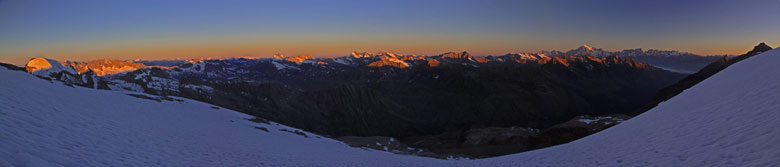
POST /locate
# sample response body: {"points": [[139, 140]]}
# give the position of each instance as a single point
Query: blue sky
{"points": [[153, 29]]}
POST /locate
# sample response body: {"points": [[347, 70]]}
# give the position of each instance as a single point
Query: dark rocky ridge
{"points": [[12, 67]]}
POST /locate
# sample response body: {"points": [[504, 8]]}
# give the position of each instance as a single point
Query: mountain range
{"points": [[449, 104], [676, 61], [728, 119]]}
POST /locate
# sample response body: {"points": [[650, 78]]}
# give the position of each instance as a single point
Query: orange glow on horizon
{"points": [[222, 49]]}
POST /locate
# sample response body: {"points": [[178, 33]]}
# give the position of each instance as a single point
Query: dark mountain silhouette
{"points": [[12, 67]]}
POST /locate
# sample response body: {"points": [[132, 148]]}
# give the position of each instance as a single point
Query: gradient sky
{"points": [[164, 29]]}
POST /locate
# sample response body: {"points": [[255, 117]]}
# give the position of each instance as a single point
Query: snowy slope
{"points": [[50, 124], [730, 119]]}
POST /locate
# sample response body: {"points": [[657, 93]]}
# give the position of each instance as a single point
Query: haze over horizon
{"points": [[89, 29]]}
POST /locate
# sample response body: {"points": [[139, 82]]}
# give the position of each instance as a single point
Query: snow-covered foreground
{"points": [[46, 123], [730, 119]]}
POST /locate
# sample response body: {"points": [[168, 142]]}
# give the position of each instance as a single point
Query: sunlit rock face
{"points": [[463, 56], [54, 70], [105, 67], [391, 61], [45, 67], [433, 63], [37, 64], [299, 59]]}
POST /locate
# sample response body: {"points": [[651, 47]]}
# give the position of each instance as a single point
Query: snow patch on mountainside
{"points": [[279, 66]]}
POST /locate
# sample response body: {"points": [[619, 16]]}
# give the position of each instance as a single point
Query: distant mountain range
{"points": [[448, 103], [432, 102], [675, 61], [729, 119]]}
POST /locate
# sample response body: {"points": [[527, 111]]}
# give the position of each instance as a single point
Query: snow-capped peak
{"points": [[356, 54], [45, 66], [586, 50], [299, 59], [278, 56], [586, 47]]}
